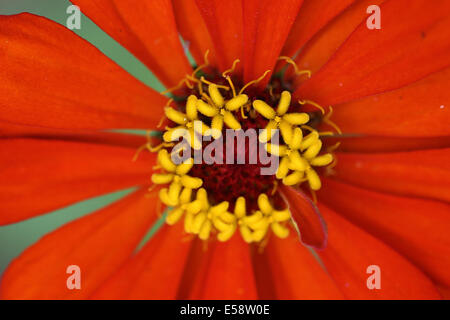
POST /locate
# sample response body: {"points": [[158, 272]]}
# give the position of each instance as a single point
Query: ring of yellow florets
{"points": [[298, 156]]}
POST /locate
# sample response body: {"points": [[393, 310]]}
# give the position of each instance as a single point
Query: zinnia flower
{"points": [[379, 158]]}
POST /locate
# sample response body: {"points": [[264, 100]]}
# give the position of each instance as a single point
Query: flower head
{"points": [[355, 119]]}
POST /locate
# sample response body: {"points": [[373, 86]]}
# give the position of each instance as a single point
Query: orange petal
{"points": [[312, 228], [292, 272], [98, 243], [219, 270], [389, 144], [422, 173], [224, 20], [266, 26], [421, 109], [43, 175], [9, 130], [193, 30], [351, 251], [52, 78], [413, 42], [154, 273], [325, 43], [147, 29], [416, 228], [313, 15], [444, 291]]}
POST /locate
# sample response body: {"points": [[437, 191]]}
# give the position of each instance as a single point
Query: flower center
{"points": [[224, 152]]}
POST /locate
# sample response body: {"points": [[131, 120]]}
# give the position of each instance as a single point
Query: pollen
{"points": [[217, 200]]}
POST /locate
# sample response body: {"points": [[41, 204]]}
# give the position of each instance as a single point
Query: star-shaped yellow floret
{"points": [[279, 119], [189, 124], [220, 110], [202, 222], [177, 176], [267, 217], [186, 205], [300, 155]]}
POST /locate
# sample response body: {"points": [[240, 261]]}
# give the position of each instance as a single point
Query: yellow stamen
{"points": [[231, 70], [284, 103], [297, 162], [254, 218], [276, 150], [191, 107], [175, 115], [179, 85], [281, 215], [254, 81], [293, 178], [303, 102], [327, 120], [264, 204], [313, 179], [200, 88], [313, 150], [202, 79], [139, 150], [193, 79], [268, 132], [264, 109], [149, 147], [217, 126], [169, 102], [322, 160], [286, 131], [296, 118], [165, 198], [205, 230], [206, 109], [162, 178], [311, 129], [205, 64], [226, 234], [231, 86], [215, 95], [334, 147], [243, 114], [326, 133], [297, 137], [283, 168], [329, 169], [231, 121], [236, 102], [279, 230], [309, 140], [294, 65], [271, 92], [239, 208], [275, 188]]}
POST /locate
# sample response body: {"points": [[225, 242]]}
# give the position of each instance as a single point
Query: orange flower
{"points": [[385, 202]]}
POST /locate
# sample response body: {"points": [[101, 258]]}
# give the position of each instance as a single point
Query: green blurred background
{"points": [[15, 238]]}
